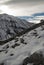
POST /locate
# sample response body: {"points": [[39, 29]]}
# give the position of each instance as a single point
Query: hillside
{"points": [[11, 26], [27, 49]]}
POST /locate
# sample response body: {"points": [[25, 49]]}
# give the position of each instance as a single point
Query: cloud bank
{"points": [[34, 9], [21, 7]]}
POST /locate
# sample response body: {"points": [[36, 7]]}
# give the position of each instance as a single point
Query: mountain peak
{"points": [[10, 26]]}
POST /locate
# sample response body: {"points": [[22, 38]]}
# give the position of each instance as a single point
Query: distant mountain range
{"points": [[35, 18], [25, 17]]}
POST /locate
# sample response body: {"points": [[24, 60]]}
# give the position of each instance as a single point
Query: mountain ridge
{"points": [[11, 26]]}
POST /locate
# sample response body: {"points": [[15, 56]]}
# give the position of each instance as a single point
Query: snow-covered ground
{"points": [[15, 51]]}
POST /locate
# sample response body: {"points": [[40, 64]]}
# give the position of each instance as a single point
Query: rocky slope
{"points": [[27, 49], [10, 26]]}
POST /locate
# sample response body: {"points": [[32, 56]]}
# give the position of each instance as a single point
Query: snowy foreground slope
{"points": [[10, 26], [16, 51]]}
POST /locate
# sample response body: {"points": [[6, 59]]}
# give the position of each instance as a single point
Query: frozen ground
{"points": [[15, 51]]}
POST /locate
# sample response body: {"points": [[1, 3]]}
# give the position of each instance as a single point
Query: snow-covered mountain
{"points": [[10, 26], [27, 49]]}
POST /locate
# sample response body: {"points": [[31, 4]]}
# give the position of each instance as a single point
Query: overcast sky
{"points": [[21, 7]]}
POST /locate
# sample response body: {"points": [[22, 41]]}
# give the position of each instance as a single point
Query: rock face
{"points": [[10, 26], [35, 59]]}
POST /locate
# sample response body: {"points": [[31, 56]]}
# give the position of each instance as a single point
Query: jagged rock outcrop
{"points": [[35, 59]]}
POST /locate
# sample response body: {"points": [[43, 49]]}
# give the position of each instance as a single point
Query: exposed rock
{"points": [[21, 40], [11, 54], [35, 58], [15, 45], [1, 63], [6, 47]]}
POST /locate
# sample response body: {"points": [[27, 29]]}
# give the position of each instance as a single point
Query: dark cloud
{"points": [[22, 1], [38, 14], [22, 7]]}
